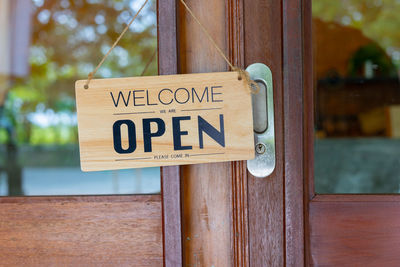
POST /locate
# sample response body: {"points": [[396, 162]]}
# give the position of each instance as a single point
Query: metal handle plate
{"points": [[263, 121]]}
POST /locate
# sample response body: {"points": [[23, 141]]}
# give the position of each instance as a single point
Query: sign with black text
{"points": [[164, 120]]}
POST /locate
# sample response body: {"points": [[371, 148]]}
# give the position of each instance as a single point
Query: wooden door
{"points": [[230, 218]]}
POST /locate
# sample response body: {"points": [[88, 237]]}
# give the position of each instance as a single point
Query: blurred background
{"points": [[356, 53], [45, 45]]}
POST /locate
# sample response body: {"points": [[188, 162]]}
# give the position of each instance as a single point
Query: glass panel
{"points": [[44, 47], [356, 51]]}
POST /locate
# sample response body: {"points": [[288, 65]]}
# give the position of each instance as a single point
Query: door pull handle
{"points": [[263, 122]]}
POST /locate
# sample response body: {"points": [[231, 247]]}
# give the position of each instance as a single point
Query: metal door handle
{"points": [[263, 122]]}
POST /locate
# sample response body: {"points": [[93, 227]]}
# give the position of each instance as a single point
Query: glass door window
{"points": [[356, 51], [44, 47]]}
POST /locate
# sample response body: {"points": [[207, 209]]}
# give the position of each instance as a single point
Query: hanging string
{"points": [[91, 74], [254, 87], [149, 62]]}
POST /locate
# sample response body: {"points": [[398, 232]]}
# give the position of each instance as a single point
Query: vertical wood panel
{"points": [[206, 215], [308, 111], [171, 211], [263, 43], [239, 229], [167, 37], [170, 176], [206, 187], [293, 130]]}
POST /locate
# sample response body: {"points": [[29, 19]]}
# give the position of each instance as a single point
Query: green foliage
{"points": [[377, 56], [3, 136], [69, 38], [379, 20]]}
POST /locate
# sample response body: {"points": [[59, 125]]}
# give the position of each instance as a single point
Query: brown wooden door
{"points": [[230, 218], [218, 214], [213, 214]]}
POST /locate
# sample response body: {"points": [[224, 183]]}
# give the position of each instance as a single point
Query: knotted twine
{"points": [[242, 74]]}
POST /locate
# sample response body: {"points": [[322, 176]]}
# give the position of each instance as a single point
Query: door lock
{"points": [[263, 122]]}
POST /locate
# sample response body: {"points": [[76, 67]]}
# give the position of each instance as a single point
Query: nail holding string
{"points": [[251, 83], [90, 77]]}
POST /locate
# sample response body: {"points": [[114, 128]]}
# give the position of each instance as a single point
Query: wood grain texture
{"points": [[293, 131], [217, 99], [355, 233], [308, 119], [81, 231], [235, 31], [167, 37], [239, 229], [308, 100], [356, 198], [206, 187], [172, 216], [170, 176], [207, 215], [263, 43]]}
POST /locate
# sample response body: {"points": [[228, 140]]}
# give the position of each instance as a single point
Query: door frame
{"points": [[294, 54]]}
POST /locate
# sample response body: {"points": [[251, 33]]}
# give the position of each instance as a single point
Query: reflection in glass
{"points": [[44, 47], [356, 47]]}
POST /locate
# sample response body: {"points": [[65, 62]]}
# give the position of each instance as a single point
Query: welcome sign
{"points": [[164, 120]]}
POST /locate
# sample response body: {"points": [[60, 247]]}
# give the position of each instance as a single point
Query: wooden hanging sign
{"points": [[164, 120]]}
